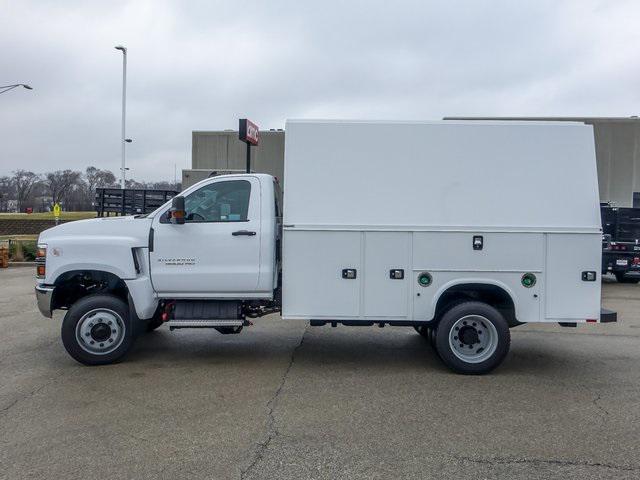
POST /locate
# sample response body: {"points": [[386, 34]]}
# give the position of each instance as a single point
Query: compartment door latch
{"points": [[396, 274], [349, 273]]}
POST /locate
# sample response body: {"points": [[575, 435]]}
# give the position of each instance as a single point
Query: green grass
{"points": [[47, 216], [32, 238]]}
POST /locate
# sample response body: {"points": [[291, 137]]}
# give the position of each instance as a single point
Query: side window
{"points": [[226, 201]]}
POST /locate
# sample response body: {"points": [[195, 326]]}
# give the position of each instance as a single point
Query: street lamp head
{"points": [[122, 49], [28, 87], [128, 140]]}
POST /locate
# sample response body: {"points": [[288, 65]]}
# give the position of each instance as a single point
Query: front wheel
{"points": [[472, 338], [97, 330]]}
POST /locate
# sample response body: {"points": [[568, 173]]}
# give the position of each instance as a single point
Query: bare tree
{"points": [[24, 181], [131, 183], [96, 177], [7, 192], [165, 185], [61, 183]]}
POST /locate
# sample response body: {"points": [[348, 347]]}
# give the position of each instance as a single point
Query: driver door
{"points": [[216, 252]]}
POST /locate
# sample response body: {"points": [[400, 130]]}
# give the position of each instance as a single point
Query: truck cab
{"points": [[226, 247], [214, 264]]}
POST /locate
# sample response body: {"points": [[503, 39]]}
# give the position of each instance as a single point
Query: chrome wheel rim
{"points": [[100, 331], [473, 338]]}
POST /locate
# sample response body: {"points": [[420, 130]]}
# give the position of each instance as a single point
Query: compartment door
{"points": [[568, 296], [313, 286], [383, 295]]}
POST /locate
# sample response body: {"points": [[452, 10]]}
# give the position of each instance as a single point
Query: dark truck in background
{"points": [[621, 242]]}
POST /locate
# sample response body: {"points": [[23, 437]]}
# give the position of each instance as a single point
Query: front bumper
{"points": [[44, 295], [608, 316]]}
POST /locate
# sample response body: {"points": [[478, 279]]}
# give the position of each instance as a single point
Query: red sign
{"points": [[249, 132]]}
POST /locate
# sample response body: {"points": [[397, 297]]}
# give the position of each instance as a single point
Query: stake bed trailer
{"points": [[459, 230]]}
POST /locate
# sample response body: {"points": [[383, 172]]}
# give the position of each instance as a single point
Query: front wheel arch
{"points": [[74, 285]]}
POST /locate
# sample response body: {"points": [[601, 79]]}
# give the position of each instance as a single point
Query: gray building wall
{"points": [[224, 151], [617, 151], [618, 154]]}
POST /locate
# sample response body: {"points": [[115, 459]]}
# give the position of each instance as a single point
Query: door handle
{"points": [[243, 232]]}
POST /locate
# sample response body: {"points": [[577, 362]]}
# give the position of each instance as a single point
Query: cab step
{"points": [[196, 323], [224, 315]]}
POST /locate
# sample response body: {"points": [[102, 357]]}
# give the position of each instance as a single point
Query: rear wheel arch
{"points": [[493, 294]]}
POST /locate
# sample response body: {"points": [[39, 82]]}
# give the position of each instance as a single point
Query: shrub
{"points": [[29, 250], [23, 250]]}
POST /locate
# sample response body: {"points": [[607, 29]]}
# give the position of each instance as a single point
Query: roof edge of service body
{"points": [[459, 230]]}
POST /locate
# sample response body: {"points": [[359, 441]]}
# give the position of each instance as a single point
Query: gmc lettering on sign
{"points": [[249, 132]]}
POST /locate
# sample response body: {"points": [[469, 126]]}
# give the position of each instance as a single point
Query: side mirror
{"points": [[177, 210]]}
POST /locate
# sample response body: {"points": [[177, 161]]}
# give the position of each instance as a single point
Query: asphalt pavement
{"points": [[285, 400]]}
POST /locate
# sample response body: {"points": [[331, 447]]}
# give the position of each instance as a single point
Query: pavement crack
{"points": [[35, 391], [545, 461], [596, 402], [272, 429]]}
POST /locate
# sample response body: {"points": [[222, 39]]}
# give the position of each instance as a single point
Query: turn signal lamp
{"points": [[41, 258]]}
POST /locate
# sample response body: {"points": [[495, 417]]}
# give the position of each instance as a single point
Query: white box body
{"points": [[377, 196]]}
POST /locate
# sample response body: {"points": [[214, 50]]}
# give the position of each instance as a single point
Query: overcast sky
{"points": [[200, 65]]}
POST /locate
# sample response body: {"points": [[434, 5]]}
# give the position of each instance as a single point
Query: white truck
{"points": [[461, 231]]}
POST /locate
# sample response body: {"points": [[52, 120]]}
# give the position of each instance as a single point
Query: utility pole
{"points": [[124, 112]]}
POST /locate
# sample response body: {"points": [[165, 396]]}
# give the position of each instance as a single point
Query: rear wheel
{"points": [[432, 336], [97, 330], [622, 278], [472, 338]]}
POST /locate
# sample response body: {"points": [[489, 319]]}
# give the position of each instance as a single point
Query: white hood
{"points": [[104, 244], [136, 230]]}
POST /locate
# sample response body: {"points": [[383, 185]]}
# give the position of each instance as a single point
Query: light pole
{"points": [[6, 88], [124, 111]]}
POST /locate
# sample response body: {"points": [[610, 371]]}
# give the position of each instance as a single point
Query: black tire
{"points": [[432, 336], [479, 318], [97, 311], [622, 278]]}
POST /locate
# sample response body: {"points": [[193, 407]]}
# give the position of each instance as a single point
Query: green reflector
{"points": [[528, 280]]}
